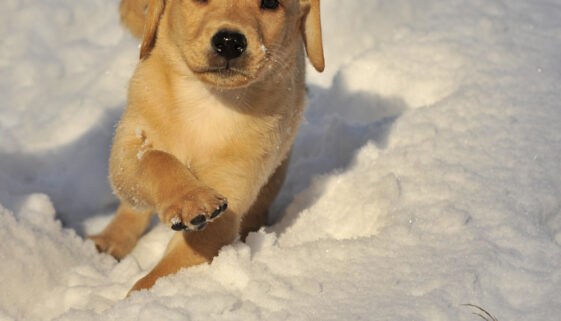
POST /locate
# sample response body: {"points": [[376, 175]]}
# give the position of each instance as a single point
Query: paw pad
{"points": [[198, 223], [178, 226], [198, 220], [219, 211]]}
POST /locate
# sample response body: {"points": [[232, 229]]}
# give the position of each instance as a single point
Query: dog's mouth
{"points": [[225, 76], [227, 72]]}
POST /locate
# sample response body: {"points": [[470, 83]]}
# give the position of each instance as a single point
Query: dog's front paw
{"points": [[117, 245], [194, 210]]}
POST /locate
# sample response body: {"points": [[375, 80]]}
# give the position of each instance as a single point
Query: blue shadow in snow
{"points": [[337, 124]]}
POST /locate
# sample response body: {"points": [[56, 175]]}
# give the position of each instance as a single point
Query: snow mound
{"points": [[426, 174]]}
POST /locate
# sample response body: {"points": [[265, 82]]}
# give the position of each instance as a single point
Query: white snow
{"points": [[427, 174]]}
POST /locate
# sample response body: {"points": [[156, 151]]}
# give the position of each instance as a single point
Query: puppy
{"points": [[214, 106]]}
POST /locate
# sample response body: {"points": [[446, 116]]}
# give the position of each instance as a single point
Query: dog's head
{"points": [[230, 43]]}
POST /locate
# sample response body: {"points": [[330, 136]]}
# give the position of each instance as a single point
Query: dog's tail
{"points": [[133, 15]]}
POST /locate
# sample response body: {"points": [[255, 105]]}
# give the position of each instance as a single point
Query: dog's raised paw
{"points": [[194, 210]]}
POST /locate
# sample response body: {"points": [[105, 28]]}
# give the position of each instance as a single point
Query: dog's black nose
{"points": [[228, 44]]}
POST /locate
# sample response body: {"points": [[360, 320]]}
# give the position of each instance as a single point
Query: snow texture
{"points": [[427, 174]]}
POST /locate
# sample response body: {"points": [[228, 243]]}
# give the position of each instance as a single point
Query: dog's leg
{"points": [[151, 178], [185, 201], [256, 217], [182, 200], [120, 236], [192, 248]]}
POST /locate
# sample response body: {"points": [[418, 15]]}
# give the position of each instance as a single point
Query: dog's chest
{"points": [[207, 131]]}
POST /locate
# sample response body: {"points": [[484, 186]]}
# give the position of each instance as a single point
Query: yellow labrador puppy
{"points": [[214, 106]]}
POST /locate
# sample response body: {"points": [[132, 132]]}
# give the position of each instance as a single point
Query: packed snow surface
{"points": [[426, 176]]}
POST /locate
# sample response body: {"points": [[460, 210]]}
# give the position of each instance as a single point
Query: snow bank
{"points": [[64, 69], [426, 175]]}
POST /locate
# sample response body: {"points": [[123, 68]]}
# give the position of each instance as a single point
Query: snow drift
{"points": [[427, 174]]}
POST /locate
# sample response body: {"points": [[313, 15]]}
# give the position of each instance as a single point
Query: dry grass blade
{"points": [[487, 317]]}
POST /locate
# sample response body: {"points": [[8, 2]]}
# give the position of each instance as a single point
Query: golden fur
{"points": [[196, 137]]}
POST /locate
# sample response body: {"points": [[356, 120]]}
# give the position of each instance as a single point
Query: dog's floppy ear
{"points": [[311, 32], [133, 15], [155, 10]]}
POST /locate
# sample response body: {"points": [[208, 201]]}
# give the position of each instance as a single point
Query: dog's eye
{"points": [[269, 4]]}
